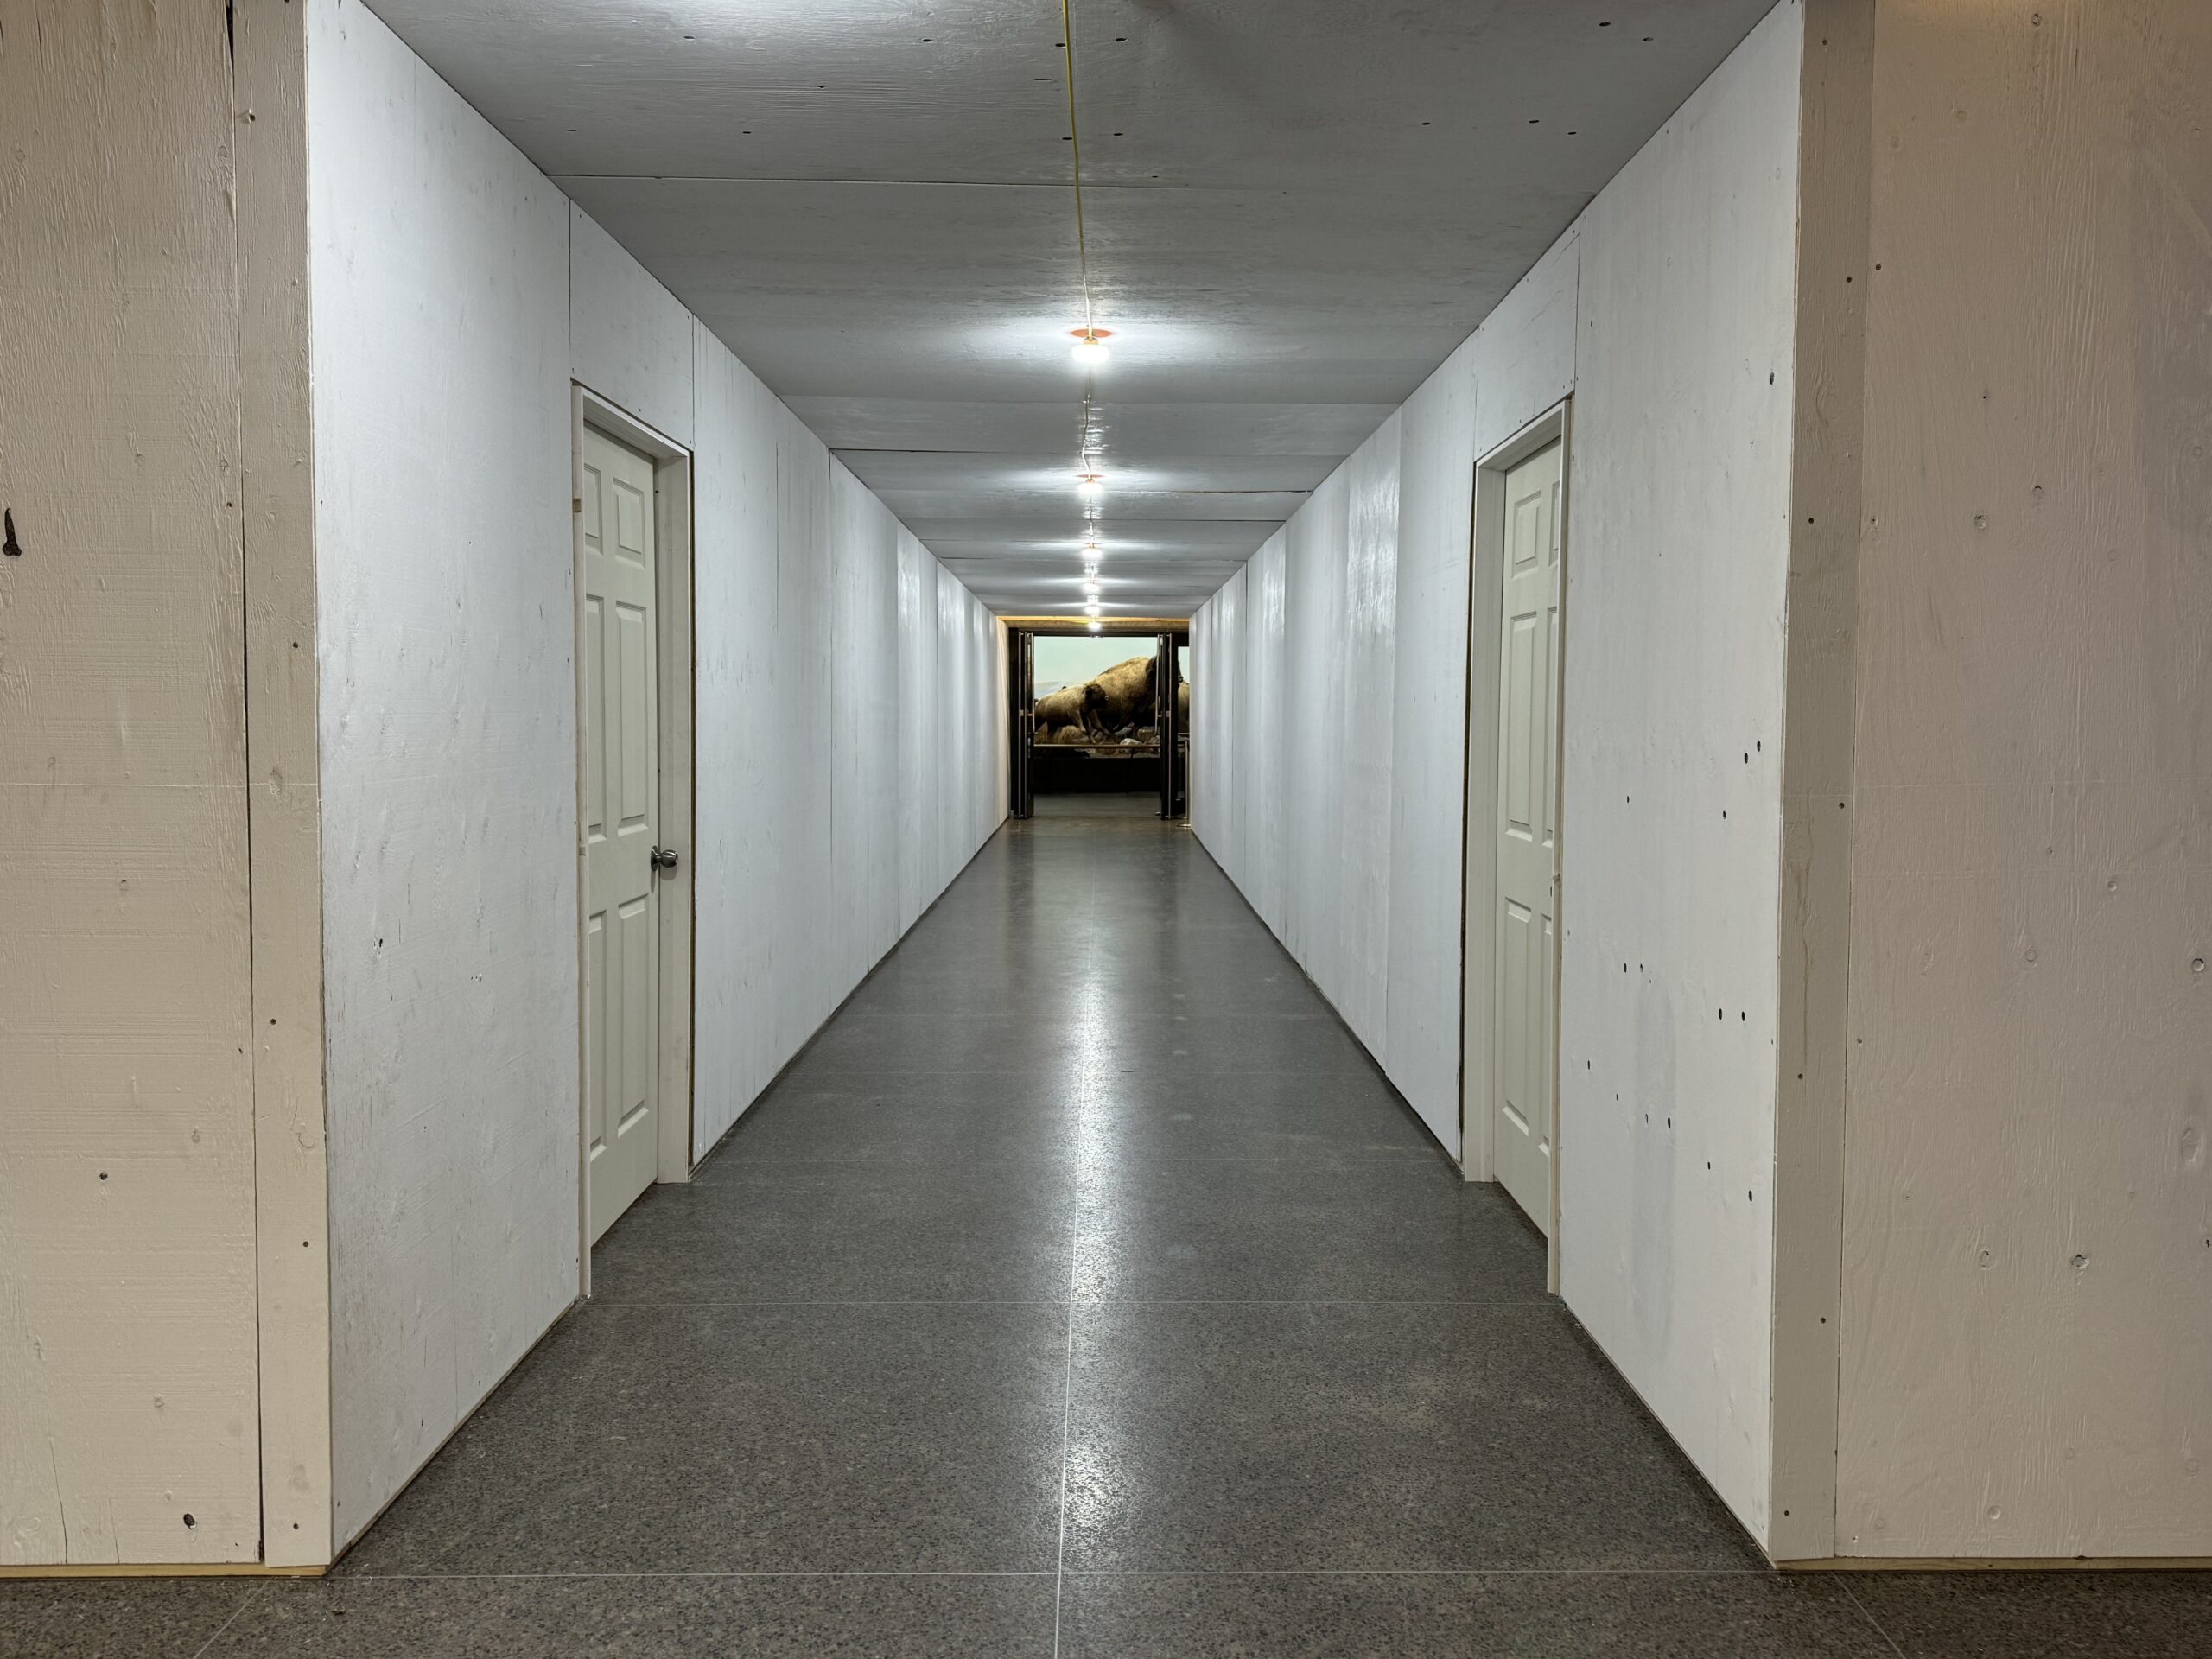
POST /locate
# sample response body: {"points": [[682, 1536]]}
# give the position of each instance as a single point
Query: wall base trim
{"points": [[2000, 1564], [146, 1570]]}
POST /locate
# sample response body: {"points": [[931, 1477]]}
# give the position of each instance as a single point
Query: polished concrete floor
{"points": [[1083, 1290]]}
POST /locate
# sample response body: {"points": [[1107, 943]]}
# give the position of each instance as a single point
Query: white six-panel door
{"points": [[1523, 1086], [621, 805]]}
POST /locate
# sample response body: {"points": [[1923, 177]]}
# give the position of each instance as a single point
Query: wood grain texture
{"points": [[446, 641], [678, 659], [1681, 467], [1420, 994], [629, 338], [1522, 361], [1834, 147], [849, 705], [1677, 571], [284, 803], [1331, 792], [2028, 1222], [127, 1277]]}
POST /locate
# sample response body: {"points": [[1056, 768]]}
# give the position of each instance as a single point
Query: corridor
{"points": [[1081, 1289]]}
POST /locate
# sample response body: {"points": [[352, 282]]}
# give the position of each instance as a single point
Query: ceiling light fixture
{"points": [[1093, 610], [1090, 350], [1092, 486], [1096, 627], [1091, 590]]}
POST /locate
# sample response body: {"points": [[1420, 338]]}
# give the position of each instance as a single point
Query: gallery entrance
{"points": [[1102, 715]]}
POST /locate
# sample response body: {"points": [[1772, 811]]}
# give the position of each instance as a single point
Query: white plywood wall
{"points": [[848, 699], [127, 1393], [1361, 724], [1813, 950], [284, 803], [1421, 771], [846, 716], [1665, 311], [1678, 509], [440, 263], [2027, 1293], [1329, 761], [1519, 366], [630, 340]]}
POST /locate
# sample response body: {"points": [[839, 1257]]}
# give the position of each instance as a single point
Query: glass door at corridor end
{"points": [[1171, 721]]}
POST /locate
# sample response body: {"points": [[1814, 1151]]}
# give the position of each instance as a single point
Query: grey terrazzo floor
{"points": [[1082, 1290]]}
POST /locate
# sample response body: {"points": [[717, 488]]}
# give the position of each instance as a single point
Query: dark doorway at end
{"points": [[1100, 714]]}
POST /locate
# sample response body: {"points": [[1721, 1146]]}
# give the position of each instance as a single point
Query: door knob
{"points": [[664, 858]]}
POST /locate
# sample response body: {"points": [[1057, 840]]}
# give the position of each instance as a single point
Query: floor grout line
{"points": [[237, 1612], [1867, 1614], [1067, 1432]]}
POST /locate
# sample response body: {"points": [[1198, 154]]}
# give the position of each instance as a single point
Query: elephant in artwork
{"points": [[1057, 708], [1120, 697]]}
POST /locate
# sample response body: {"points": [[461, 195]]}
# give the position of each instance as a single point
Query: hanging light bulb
{"points": [[1092, 486], [1097, 626], [1091, 590], [1093, 609], [1090, 350]]}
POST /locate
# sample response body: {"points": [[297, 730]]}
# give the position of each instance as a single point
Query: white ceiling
{"points": [[1296, 209]]}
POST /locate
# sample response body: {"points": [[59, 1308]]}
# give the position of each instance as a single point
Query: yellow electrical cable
{"points": [[1075, 148], [1081, 241]]}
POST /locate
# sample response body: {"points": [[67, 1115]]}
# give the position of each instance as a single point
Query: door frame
{"points": [[1022, 632], [1166, 675], [674, 634], [1021, 716], [1477, 974]]}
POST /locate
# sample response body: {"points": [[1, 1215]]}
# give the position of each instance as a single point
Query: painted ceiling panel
{"points": [[1136, 433], [1295, 209], [890, 471], [1220, 537]]}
